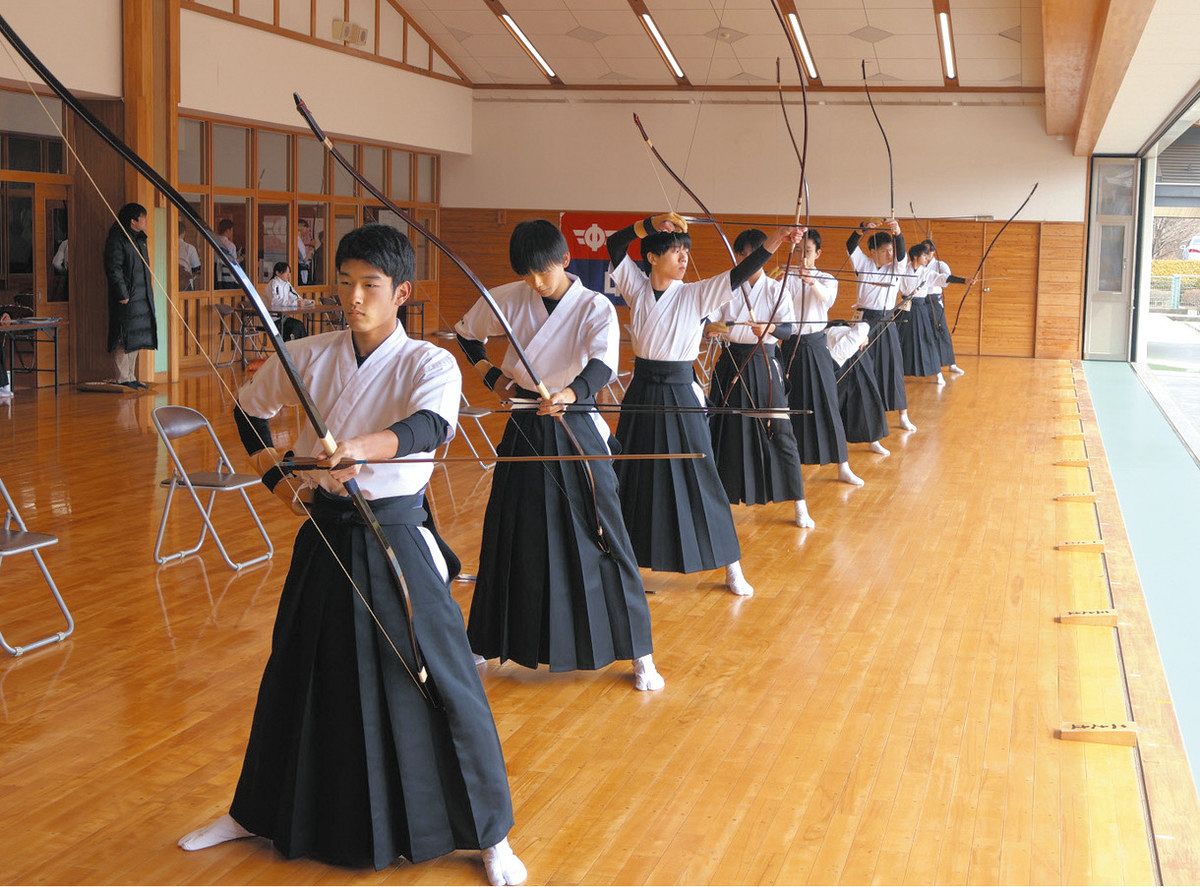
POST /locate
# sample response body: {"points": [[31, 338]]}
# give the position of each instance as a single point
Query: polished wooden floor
{"points": [[883, 710]]}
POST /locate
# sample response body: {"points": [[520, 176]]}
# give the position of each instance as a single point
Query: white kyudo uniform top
{"points": [[812, 299], [877, 284], [843, 341], [399, 378], [671, 327], [915, 287], [939, 274], [559, 345], [767, 304]]}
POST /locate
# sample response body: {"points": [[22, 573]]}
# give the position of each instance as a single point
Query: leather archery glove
{"points": [[283, 487], [674, 218]]}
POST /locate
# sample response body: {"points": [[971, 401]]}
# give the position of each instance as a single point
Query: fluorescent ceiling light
{"points": [[667, 55], [529, 47], [801, 42], [947, 46]]}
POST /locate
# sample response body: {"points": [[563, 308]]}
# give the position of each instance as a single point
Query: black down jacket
{"points": [[131, 326]]}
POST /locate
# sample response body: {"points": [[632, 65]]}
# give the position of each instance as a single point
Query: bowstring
{"points": [[156, 282]]}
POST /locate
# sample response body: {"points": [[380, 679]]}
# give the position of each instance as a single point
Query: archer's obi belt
{"points": [[873, 316], [329, 510], [663, 372]]}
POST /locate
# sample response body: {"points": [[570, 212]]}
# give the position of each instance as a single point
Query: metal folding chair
{"points": [[226, 318], [466, 411], [172, 423], [15, 538], [336, 319]]}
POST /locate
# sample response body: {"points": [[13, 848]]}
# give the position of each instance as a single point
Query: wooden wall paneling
{"points": [[90, 222], [1009, 290], [1061, 250]]}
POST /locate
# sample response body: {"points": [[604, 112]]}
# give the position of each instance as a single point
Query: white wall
{"points": [[554, 152], [78, 40], [231, 69]]}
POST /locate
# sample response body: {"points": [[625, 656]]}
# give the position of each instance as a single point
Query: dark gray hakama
{"points": [[546, 592], [863, 415], [676, 512], [810, 375], [887, 359], [347, 762], [918, 341], [937, 311], [757, 459]]}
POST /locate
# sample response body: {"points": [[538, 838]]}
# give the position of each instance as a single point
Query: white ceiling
{"points": [[736, 42]]}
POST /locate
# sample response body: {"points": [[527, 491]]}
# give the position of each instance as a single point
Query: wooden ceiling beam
{"points": [[1121, 32], [1070, 33]]}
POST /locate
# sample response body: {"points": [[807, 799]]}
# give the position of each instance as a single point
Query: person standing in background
{"points": [[132, 325]]}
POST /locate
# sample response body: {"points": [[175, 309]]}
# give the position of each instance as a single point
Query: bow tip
{"points": [[299, 101]]}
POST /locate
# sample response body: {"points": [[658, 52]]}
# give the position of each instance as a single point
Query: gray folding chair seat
{"points": [[173, 423], [15, 538]]}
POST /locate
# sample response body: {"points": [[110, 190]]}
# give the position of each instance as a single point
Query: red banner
{"points": [[586, 234]]}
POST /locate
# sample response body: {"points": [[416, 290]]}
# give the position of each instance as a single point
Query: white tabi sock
{"points": [[502, 865], [877, 447], [957, 370], [645, 675], [736, 582], [221, 830], [905, 422], [846, 476], [803, 518], [941, 380]]}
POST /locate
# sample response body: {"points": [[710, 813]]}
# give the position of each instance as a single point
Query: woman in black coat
{"points": [[131, 322]]}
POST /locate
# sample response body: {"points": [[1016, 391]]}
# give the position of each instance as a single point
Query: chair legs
{"points": [[206, 517], [467, 440], [19, 649]]}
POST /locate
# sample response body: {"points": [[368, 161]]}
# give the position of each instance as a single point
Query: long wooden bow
{"points": [[418, 671], [542, 390]]}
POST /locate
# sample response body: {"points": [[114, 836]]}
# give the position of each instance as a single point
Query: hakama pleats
{"points": [[887, 359], [347, 762], [757, 459], [810, 375], [676, 511], [937, 310], [918, 341], [547, 592], [863, 415]]}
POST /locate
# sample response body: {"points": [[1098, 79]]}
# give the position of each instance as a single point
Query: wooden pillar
{"points": [[149, 80]]}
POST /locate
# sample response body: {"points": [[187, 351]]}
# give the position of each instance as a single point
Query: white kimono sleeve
{"points": [[629, 279], [437, 387], [602, 337], [479, 323], [268, 390]]}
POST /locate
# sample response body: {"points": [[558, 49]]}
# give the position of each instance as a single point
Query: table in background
{"points": [[309, 314], [32, 329]]}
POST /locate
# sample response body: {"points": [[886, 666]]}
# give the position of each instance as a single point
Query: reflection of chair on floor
{"points": [[466, 411], [172, 423], [15, 538]]}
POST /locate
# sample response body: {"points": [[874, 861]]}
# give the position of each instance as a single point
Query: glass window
{"points": [[56, 249], [274, 161], [229, 156], [310, 244], [191, 151], [1116, 189], [373, 165], [1111, 265], [343, 182], [426, 178], [232, 217], [274, 228], [401, 186], [16, 244], [192, 253], [310, 177], [425, 266], [24, 153], [54, 156]]}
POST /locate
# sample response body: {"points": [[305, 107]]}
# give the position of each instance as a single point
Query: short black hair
{"points": [[129, 212], [382, 247], [749, 240], [661, 242], [917, 250], [929, 243], [224, 225], [279, 268], [878, 239], [535, 245], [815, 236]]}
